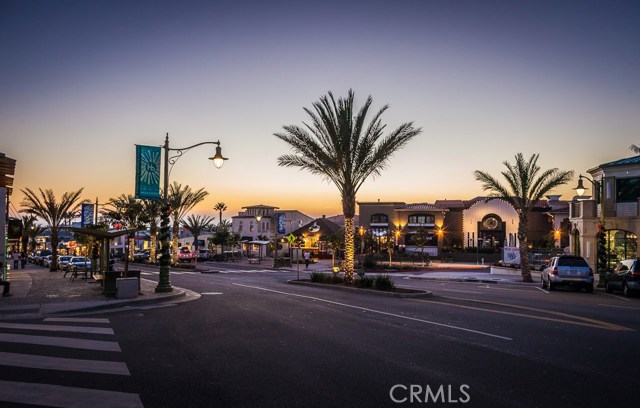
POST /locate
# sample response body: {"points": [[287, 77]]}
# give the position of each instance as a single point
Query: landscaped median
{"points": [[379, 285]]}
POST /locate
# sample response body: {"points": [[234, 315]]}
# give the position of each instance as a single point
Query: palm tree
{"points": [[341, 147], [128, 210], [635, 149], [195, 224], [28, 223], [182, 200], [33, 233], [52, 212], [220, 207], [421, 238], [525, 186], [151, 209]]}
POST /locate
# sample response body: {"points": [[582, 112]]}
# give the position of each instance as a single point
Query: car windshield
{"points": [[573, 262]]}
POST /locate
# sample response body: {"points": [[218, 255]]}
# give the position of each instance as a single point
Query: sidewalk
{"points": [[37, 292]]}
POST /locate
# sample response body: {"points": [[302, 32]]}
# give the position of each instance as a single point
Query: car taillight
{"points": [[635, 274], [555, 270]]}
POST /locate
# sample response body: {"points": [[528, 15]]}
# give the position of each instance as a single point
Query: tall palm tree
{"points": [[182, 200], [220, 207], [52, 212], [195, 224], [525, 186], [340, 146], [635, 149]]}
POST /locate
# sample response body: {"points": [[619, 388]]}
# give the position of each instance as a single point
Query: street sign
{"points": [[291, 239]]}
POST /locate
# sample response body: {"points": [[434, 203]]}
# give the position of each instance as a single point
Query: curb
{"points": [[416, 293]]}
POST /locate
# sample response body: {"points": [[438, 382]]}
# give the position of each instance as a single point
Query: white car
{"points": [[63, 261], [46, 261]]}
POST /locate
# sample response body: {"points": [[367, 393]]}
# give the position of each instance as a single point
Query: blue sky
{"points": [[84, 81]]}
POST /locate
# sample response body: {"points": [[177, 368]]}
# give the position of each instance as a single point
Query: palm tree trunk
{"points": [[349, 249], [524, 247], [54, 249]]}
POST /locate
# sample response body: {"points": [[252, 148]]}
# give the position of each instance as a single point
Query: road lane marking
{"points": [[211, 293], [582, 321], [65, 364], [60, 396], [76, 320], [449, 326], [542, 290], [60, 342], [620, 307], [46, 327], [618, 297], [462, 291]]}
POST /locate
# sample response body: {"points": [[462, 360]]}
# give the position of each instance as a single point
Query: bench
{"points": [[254, 260]]}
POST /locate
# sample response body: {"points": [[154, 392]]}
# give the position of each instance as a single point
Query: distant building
{"points": [[488, 223], [247, 225]]}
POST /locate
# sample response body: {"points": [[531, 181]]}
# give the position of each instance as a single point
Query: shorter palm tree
{"points": [[195, 224], [421, 238], [525, 186], [53, 212]]}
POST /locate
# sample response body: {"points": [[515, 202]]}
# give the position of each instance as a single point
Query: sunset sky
{"points": [[82, 82]]}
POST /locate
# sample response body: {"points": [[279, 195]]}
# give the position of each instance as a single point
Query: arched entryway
{"points": [[575, 242]]}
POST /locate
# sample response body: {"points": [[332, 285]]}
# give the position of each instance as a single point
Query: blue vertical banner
{"points": [[148, 172], [87, 215], [280, 223]]}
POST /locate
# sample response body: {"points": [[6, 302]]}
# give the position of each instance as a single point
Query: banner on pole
{"points": [[87, 215], [148, 172], [281, 228]]}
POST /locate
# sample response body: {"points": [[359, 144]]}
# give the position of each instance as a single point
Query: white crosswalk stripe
{"points": [[26, 335]]}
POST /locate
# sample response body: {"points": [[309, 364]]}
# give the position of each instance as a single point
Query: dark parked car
{"points": [[141, 256], [567, 270], [625, 277]]}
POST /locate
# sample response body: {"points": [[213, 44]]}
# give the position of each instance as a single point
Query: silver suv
{"points": [[567, 270]]}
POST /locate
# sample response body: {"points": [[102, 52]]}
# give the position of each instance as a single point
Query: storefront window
{"points": [[422, 219], [620, 245], [379, 219]]}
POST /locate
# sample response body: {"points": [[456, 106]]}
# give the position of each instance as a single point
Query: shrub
{"points": [[364, 282], [383, 282], [317, 277]]}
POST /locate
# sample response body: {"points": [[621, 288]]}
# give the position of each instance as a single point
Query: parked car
{"points": [[78, 263], [567, 270], [37, 259], [185, 255], [203, 255], [46, 261], [63, 261], [625, 277], [141, 256]]}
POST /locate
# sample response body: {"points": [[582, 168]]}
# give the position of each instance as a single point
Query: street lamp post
{"points": [[601, 257], [164, 283]]}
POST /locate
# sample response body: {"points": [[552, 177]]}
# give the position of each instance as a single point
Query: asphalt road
{"points": [[252, 340]]}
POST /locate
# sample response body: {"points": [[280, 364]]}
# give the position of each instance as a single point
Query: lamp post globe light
{"points": [[601, 252], [164, 283]]}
